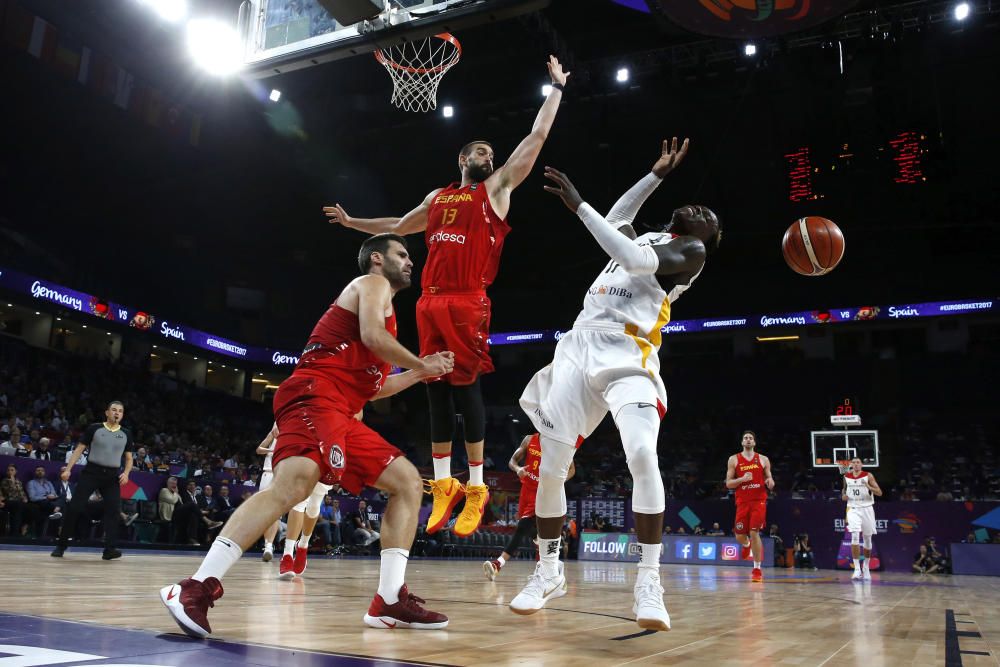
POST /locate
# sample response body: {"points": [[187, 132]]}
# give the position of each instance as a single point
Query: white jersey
{"points": [[267, 459], [634, 304], [858, 492]]}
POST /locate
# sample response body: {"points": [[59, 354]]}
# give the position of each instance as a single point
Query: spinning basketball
{"points": [[813, 246]]}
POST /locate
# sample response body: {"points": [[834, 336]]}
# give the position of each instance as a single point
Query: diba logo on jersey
{"points": [[609, 291], [447, 238]]}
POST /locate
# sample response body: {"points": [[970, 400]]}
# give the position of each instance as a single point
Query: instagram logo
{"points": [[730, 552]]}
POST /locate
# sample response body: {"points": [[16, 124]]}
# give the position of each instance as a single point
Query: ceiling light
{"points": [[214, 45], [448, 111], [275, 95], [962, 10], [749, 49], [546, 89], [622, 75], [171, 11]]}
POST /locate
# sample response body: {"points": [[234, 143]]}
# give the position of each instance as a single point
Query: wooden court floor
{"points": [[719, 617]]}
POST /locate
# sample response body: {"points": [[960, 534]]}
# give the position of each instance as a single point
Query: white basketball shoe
{"points": [[540, 589], [650, 612]]}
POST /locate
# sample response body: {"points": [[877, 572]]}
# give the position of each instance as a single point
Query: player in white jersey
{"points": [[608, 362], [860, 489], [266, 449]]}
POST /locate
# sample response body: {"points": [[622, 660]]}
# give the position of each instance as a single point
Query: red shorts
{"points": [[458, 323], [526, 501], [750, 515], [312, 423]]}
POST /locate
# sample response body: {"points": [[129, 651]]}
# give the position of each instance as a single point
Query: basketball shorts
{"points": [[458, 323], [861, 520], [750, 515], [301, 506], [526, 501], [594, 371], [312, 423], [266, 478]]}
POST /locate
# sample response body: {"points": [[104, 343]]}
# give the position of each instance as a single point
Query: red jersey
{"points": [[532, 459], [464, 240], [335, 353], [754, 489]]}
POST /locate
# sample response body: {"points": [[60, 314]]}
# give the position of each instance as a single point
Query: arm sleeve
{"points": [[627, 206], [632, 257]]}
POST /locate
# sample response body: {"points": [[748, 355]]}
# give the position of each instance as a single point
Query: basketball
{"points": [[813, 246]]}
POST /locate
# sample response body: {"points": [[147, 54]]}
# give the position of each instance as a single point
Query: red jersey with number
{"points": [[335, 353], [754, 489], [532, 459], [464, 240]]}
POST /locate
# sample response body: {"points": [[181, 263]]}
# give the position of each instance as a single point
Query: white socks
{"points": [[756, 564], [650, 555], [392, 574], [289, 547], [501, 560], [475, 473], [303, 542], [442, 466], [223, 554], [269, 546], [548, 555]]}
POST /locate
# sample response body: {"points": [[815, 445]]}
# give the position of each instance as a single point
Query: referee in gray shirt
{"points": [[107, 443]]}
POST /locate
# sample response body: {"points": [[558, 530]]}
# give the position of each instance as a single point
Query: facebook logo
{"points": [[683, 550], [706, 551]]}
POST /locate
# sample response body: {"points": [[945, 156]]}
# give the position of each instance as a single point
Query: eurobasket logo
{"points": [[730, 552], [684, 550], [907, 522]]}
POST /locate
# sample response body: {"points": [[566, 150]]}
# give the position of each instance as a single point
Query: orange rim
{"points": [[382, 56]]}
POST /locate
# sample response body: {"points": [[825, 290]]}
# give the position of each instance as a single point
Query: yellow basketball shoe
{"points": [[476, 498], [447, 492]]}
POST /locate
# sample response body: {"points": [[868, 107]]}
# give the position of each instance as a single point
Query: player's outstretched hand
{"points": [[338, 215], [670, 157], [439, 363], [769, 483], [565, 190], [556, 71]]}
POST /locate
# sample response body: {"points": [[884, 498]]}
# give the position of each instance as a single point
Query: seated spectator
{"points": [[42, 492], [141, 461], [329, 522], [64, 447], [41, 452], [187, 514], [923, 563], [804, 552], [599, 524], [970, 539], [22, 513], [364, 534], [160, 466], [716, 531], [939, 558], [667, 530], [944, 495], [224, 506], [6, 447], [82, 461], [681, 531]]}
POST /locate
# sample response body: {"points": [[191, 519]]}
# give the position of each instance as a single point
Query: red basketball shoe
{"points": [[406, 613], [286, 569], [188, 602], [756, 576], [300, 560]]}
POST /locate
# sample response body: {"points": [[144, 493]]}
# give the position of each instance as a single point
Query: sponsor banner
{"points": [[694, 549], [981, 559]]}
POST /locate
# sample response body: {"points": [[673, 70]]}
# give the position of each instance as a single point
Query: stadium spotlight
{"points": [[622, 75], [275, 95], [546, 89], [750, 49], [171, 11], [448, 111], [214, 45], [962, 11]]}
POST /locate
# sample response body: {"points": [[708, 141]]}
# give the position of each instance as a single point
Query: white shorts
{"points": [[593, 372], [266, 478], [301, 507], [861, 520]]}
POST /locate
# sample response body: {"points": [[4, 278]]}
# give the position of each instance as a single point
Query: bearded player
{"points": [[608, 362], [346, 362], [860, 489], [530, 453], [751, 489], [464, 226]]}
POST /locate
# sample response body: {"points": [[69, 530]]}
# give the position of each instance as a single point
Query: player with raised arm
{"points": [[608, 363], [464, 226], [751, 489], [346, 362], [524, 463], [860, 489]]}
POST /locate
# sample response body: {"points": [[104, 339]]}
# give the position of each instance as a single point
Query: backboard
{"points": [[830, 448], [284, 35]]}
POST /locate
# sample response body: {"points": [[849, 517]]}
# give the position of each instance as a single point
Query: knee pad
{"points": [[868, 542], [855, 539], [469, 403], [639, 427], [442, 411], [550, 499], [315, 501]]}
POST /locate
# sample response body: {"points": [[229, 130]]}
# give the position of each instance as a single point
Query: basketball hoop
{"points": [[417, 68], [844, 466]]}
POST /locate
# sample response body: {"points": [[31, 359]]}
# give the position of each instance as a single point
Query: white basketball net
{"points": [[417, 68]]}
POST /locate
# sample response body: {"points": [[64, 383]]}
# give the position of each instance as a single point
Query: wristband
{"points": [[558, 86]]}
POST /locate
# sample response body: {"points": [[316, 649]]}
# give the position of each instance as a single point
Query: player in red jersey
{"points": [[346, 363], [464, 226], [530, 451], [752, 485]]}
